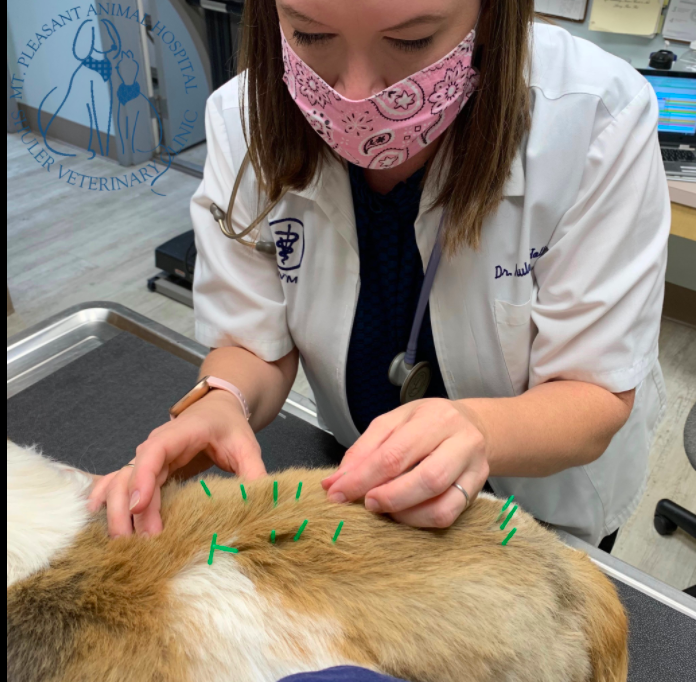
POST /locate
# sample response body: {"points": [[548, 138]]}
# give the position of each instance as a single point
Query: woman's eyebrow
{"points": [[295, 14], [409, 23], [417, 21]]}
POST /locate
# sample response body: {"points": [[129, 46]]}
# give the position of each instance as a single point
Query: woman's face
{"points": [[360, 47]]}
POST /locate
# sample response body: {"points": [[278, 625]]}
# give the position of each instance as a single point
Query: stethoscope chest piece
{"points": [[413, 379], [412, 376]]}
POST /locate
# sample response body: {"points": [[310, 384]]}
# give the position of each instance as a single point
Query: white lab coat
{"points": [[567, 283]]}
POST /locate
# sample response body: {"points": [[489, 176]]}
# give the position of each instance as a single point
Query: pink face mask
{"points": [[382, 131]]}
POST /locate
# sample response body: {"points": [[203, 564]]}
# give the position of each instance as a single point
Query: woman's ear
{"points": [[83, 44]]}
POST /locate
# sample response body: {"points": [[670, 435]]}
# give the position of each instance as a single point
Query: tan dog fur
{"points": [[441, 606]]}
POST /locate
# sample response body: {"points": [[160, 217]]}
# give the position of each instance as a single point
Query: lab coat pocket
{"points": [[515, 333]]}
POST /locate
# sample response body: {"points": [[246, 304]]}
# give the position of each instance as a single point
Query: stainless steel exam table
{"points": [[90, 383]]}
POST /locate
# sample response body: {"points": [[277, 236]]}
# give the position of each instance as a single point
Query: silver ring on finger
{"points": [[130, 464], [466, 494]]}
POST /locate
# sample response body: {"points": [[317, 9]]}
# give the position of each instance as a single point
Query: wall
{"points": [[634, 49], [171, 14], [53, 63]]}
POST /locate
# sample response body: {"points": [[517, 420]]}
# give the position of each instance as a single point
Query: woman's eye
{"points": [[411, 45], [310, 38]]}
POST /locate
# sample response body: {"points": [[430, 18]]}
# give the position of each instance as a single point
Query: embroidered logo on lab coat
{"points": [[288, 235]]}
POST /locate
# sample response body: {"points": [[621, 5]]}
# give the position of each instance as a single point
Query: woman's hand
{"points": [[407, 460], [213, 430]]}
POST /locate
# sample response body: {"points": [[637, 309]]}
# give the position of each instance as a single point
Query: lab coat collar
{"points": [[513, 187], [333, 184], [425, 227], [331, 191]]}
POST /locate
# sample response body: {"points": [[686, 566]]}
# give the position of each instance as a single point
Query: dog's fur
{"points": [[440, 606]]}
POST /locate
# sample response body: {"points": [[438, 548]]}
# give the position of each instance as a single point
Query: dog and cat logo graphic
{"points": [[77, 68]]}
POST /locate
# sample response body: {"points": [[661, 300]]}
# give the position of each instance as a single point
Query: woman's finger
{"points": [[181, 471], [151, 457], [247, 460], [438, 512], [376, 433], [432, 477], [98, 495], [407, 445], [149, 522], [117, 515], [327, 482], [444, 510]]}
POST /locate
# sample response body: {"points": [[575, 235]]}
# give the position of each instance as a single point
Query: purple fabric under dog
{"points": [[342, 673]]}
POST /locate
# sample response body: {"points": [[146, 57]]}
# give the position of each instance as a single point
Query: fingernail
{"points": [[372, 505], [145, 535], [338, 498], [135, 498]]}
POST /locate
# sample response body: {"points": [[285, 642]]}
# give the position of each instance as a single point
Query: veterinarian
{"points": [[369, 124]]}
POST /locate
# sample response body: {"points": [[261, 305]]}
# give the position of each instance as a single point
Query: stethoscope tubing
{"points": [[224, 218], [424, 296]]}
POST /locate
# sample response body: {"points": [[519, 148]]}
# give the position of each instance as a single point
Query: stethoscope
{"points": [[404, 371], [224, 220]]}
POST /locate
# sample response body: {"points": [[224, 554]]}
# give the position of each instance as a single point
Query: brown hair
{"points": [[286, 152]]}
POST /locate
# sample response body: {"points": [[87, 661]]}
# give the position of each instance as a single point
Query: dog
{"points": [[424, 605]]}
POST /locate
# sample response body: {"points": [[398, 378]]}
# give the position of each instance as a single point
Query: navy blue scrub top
{"points": [[391, 276]]}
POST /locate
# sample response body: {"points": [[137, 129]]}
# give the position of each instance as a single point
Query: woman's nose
{"points": [[359, 80]]}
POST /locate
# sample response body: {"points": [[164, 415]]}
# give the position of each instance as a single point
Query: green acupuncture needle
{"points": [[244, 495], [505, 506], [299, 532], [299, 490], [205, 487], [508, 517], [273, 537], [214, 546], [510, 534], [338, 531], [275, 493]]}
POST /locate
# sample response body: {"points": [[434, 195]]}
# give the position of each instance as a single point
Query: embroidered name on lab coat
{"points": [[526, 268]]}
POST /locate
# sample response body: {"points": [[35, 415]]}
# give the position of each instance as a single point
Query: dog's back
{"points": [[424, 605]]}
